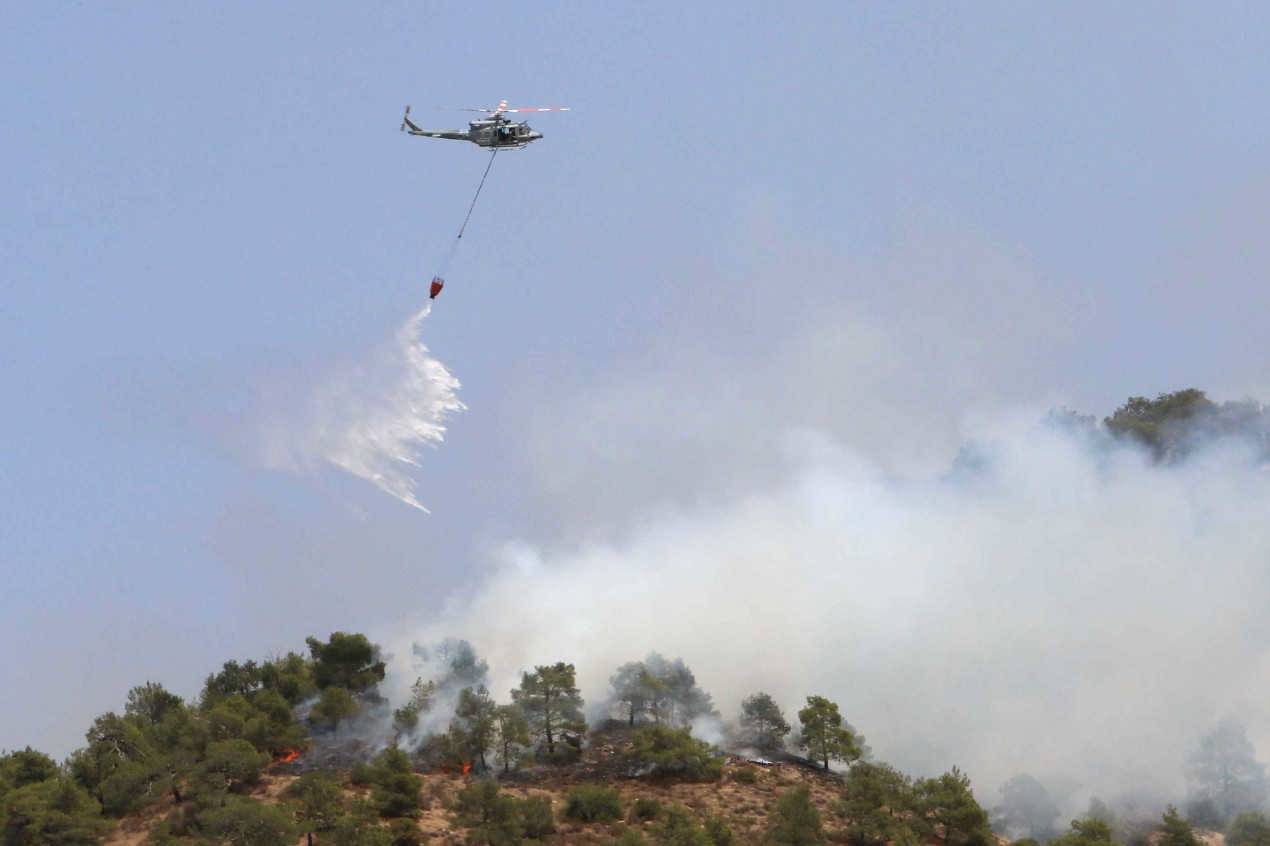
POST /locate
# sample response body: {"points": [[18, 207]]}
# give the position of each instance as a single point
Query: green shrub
{"points": [[360, 775], [405, 833], [745, 776], [394, 786], [719, 832], [797, 822], [630, 837], [675, 752], [1249, 829], [678, 827], [492, 818], [537, 816], [591, 803], [645, 809]]}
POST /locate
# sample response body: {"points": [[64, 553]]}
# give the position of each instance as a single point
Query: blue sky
{"points": [[205, 201]]}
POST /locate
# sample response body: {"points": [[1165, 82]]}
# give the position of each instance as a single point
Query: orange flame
{"points": [[288, 756], [467, 768]]}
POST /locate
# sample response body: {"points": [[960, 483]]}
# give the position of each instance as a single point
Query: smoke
{"points": [[373, 418], [1055, 607]]}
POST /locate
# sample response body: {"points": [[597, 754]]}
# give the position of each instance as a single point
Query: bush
{"points": [[405, 833], [492, 818], [797, 821], [645, 809], [1249, 829], [360, 775], [395, 788], [590, 803], [336, 704], [745, 776], [537, 816], [679, 828], [246, 821], [675, 752], [630, 837], [719, 832], [233, 764]]}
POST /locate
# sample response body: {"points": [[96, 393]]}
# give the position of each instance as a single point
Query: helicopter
{"points": [[496, 132]]}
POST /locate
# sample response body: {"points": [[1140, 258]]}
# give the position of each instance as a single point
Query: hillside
{"points": [[308, 747], [744, 797]]}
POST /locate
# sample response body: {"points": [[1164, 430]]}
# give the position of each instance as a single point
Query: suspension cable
{"points": [[478, 193]]}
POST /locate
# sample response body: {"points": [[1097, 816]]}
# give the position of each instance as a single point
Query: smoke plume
{"points": [[1054, 606], [373, 418]]}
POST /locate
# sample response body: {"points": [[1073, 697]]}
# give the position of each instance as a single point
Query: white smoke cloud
{"points": [[1068, 612], [372, 419]]}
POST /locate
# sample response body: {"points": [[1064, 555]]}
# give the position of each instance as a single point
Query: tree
{"points": [[674, 696], [150, 702], [133, 785], [406, 718], [113, 741], [472, 729], [511, 734], [335, 705], [26, 766], [1091, 831], [631, 689], [796, 822], [551, 703], [290, 676], [763, 723], [1159, 424], [234, 679], [1224, 770], [346, 660], [877, 803], [319, 803], [271, 726], [1176, 831], [1026, 809], [678, 827], [948, 804], [1250, 828], [394, 785], [463, 667], [493, 818], [358, 829], [245, 822], [823, 734], [665, 690], [231, 765], [590, 803], [52, 812], [675, 752]]}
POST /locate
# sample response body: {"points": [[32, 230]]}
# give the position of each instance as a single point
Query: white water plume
{"points": [[374, 418]]}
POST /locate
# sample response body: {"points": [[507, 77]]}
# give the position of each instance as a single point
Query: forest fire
{"points": [[288, 756], [467, 768]]}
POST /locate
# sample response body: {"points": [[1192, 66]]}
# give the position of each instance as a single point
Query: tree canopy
{"points": [[762, 723], [552, 705], [824, 736], [1225, 772], [346, 660]]}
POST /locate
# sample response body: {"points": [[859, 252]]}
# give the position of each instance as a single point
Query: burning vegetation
{"points": [[308, 745], [269, 748]]}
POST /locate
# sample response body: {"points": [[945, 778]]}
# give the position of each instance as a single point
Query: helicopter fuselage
{"points": [[496, 132]]}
